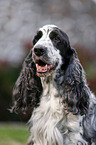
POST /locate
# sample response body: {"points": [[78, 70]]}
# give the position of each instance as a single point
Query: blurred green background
{"points": [[19, 21], [13, 134]]}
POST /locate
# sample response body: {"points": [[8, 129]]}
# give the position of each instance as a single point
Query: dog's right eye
{"points": [[37, 37]]}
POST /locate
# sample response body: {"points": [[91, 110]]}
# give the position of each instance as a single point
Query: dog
{"points": [[52, 84]]}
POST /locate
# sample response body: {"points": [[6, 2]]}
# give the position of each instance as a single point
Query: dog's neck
{"points": [[47, 79], [47, 83]]}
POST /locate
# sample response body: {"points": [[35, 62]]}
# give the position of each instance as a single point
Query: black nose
{"points": [[39, 51]]}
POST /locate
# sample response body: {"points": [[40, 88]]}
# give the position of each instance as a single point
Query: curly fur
{"points": [[52, 84]]}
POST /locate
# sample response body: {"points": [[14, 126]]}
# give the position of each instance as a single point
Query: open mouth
{"points": [[44, 68]]}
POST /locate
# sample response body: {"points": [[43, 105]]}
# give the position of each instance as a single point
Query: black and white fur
{"points": [[52, 83]]}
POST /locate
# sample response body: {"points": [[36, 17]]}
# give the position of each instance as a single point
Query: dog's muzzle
{"points": [[43, 66]]}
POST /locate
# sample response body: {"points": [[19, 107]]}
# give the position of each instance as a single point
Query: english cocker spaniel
{"points": [[52, 83]]}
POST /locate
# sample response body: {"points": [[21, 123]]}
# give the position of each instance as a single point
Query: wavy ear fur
{"points": [[28, 87], [89, 122], [71, 84]]}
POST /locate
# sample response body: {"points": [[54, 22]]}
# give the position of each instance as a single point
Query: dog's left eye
{"points": [[57, 39], [54, 37]]}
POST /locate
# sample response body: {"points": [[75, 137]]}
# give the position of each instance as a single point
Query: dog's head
{"points": [[51, 49]]}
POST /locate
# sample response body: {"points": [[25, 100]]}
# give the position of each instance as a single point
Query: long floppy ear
{"points": [[77, 92], [72, 85], [28, 88]]}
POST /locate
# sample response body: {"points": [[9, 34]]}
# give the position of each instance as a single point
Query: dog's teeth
{"points": [[43, 68], [39, 67], [36, 65], [46, 67]]}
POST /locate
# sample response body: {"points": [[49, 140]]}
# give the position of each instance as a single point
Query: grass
{"points": [[13, 134]]}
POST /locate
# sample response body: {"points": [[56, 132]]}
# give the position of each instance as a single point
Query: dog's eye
{"points": [[54, 37], [37, 37], [57, 39]]}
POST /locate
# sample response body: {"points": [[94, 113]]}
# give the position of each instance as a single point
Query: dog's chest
{"points": [[46, 117], [50, 123]]}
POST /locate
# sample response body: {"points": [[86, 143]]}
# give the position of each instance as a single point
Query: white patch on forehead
{"points": [[45, 40], [47, 28]]}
